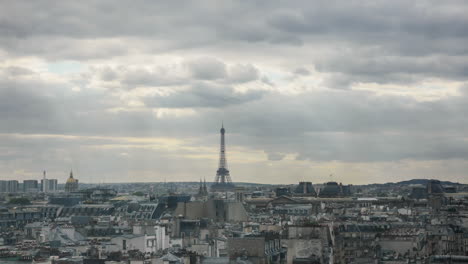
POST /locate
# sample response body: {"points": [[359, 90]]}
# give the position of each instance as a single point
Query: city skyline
{"points": [[373, 91], [223, 164]]}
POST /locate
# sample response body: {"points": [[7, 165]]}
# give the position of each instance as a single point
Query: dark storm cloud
{"points": [[30, 104], [17, 71], [203, 95], [275, 156], [21, 102], [302, 71], [395, 69], [364, 21], [29, 111], [382, 147], [207, 69], [132, 78], [108, 74], [243, 73], [186, 73]]}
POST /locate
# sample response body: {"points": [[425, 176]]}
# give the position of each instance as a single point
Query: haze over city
{"points": [[367, 92]]}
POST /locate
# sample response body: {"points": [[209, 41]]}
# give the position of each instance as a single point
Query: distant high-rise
{"points": [[30, 186], [11, 186], [72, 184], [333, 189], [305, 189], [44, 185], [48, 185], [434, 187], [3, 186], [223, 179]]}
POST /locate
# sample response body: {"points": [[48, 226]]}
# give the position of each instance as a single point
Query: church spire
{"points": [[205, 190]]}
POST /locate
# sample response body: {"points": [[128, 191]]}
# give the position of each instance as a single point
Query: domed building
{"points": [[72, 184]]}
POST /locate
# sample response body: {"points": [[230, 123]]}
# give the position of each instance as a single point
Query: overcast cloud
{"points": [[370, 91]]}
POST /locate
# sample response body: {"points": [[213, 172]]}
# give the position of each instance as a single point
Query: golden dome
{"points": [[71, 179]]}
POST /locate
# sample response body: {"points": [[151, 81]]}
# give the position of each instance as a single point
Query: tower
{"points": [[202, 190], [223, 179], [44, 182]]}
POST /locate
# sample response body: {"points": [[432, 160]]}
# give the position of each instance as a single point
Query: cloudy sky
{"points": [[369, 91]]}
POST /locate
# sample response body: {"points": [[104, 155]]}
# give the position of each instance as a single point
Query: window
{"points": [[150, 242]]}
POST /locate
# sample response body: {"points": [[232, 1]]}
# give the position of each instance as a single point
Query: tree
{"points": [[20, 201], [115, 256]]}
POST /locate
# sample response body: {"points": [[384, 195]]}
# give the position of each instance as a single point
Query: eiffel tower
{"points": [[223, 179]]}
